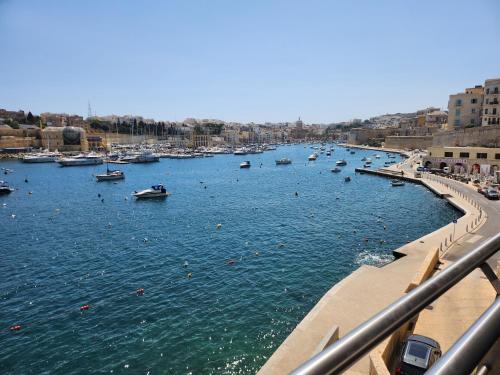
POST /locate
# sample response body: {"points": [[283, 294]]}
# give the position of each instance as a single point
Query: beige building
{"points": [[464, 109], [491, 103], [464, 160]]}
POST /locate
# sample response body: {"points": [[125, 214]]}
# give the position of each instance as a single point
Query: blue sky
{"points": [[260, 60]]}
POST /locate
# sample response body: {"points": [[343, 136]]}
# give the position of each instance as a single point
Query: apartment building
{"points": [[464, 109], [491, 103]]}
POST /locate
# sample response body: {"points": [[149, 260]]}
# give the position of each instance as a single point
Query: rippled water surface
{"points": [[252, 280]]}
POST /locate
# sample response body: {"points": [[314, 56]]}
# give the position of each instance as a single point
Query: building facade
{"points": [[483, 161], [464, 109], [491, 104]]}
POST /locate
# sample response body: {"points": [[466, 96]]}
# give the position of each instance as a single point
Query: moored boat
{"points": [[42, 157], [156, 191], [283, 161], [110, 175], [312, 157], [82, 159], [397, 183], [341, 162], [245, 164], [5, 188], [336, 170], [347, 179]]}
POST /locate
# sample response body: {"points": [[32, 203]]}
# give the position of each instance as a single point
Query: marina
{"points": [[237, 258]]}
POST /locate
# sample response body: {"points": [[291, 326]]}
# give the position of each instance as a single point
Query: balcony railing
{"points": [[349, 349]]}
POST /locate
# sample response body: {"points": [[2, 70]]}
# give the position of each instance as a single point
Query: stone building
{"points": [[491, 103], [66, 138], [464, 109], [471, 160]]}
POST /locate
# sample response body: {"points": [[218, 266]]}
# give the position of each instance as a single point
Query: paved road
{"points": [[488, 229]]}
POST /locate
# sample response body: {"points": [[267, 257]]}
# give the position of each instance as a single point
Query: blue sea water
{"points": [[252, 281]]}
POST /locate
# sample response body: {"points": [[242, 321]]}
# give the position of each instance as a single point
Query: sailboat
{"points": [[110, 174]]}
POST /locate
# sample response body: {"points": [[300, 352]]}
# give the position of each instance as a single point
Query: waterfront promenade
{"points": [[369, 289]]}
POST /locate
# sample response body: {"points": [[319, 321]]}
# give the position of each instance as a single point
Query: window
{"points": [[482, 155], [496, 90], [497, 156], [487, 100], [473, 110], [487, 91], [457, 112], [494, 111], [486, 111], [464, 155], [456, 122], [458, 102], [472, 120], [448, 154], [473, 101]]}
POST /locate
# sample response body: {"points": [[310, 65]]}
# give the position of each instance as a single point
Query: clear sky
{"points": [[258, 60]]}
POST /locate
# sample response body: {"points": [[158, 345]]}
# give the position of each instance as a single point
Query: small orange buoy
{"points": [[15, 328], [84, 307], [140, 291]]}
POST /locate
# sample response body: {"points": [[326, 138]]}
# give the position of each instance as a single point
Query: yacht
{"points": [[156, 191], [42, 157], [82, 159], [341, 162], [5, 188], [245, 164], [146, 156], [110, 175], [283, 161], [312, 157]]}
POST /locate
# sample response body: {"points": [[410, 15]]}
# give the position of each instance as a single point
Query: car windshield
{"points": [[417, 354]]}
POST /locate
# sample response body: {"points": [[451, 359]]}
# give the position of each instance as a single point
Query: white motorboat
{"points": [[82, 159], [146, 156], [5, 188], [42, 157], [341, 162], [245, 164], [110, 175], [283, 161], [377, 156], [397, 183], [156, 191], [241, 151], [312, 157]]}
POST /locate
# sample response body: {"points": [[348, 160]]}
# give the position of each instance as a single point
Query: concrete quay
{"points": [[370, 289]]}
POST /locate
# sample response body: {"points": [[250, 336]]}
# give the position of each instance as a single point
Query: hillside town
{"points": [[465, 137]]}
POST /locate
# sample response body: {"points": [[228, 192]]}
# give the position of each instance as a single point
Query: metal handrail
{"points": [[345, 352], [468, 351]]}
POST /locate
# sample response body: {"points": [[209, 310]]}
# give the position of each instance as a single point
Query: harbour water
{"points": [[74, 241]]}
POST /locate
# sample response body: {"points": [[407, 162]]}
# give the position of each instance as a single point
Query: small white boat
{"points": [[341, 162], [156, 191], [397, 183], [245, 164], [5, 188], [146, 156], [42, 157], [312, 157], [328, 153], [336, 170], [367, 165], [377, 156], [110, 175], [283, 161]]}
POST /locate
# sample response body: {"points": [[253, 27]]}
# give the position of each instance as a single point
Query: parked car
{"points": [[480, 190], [420, 169], [418, 354], [491, 193]]}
